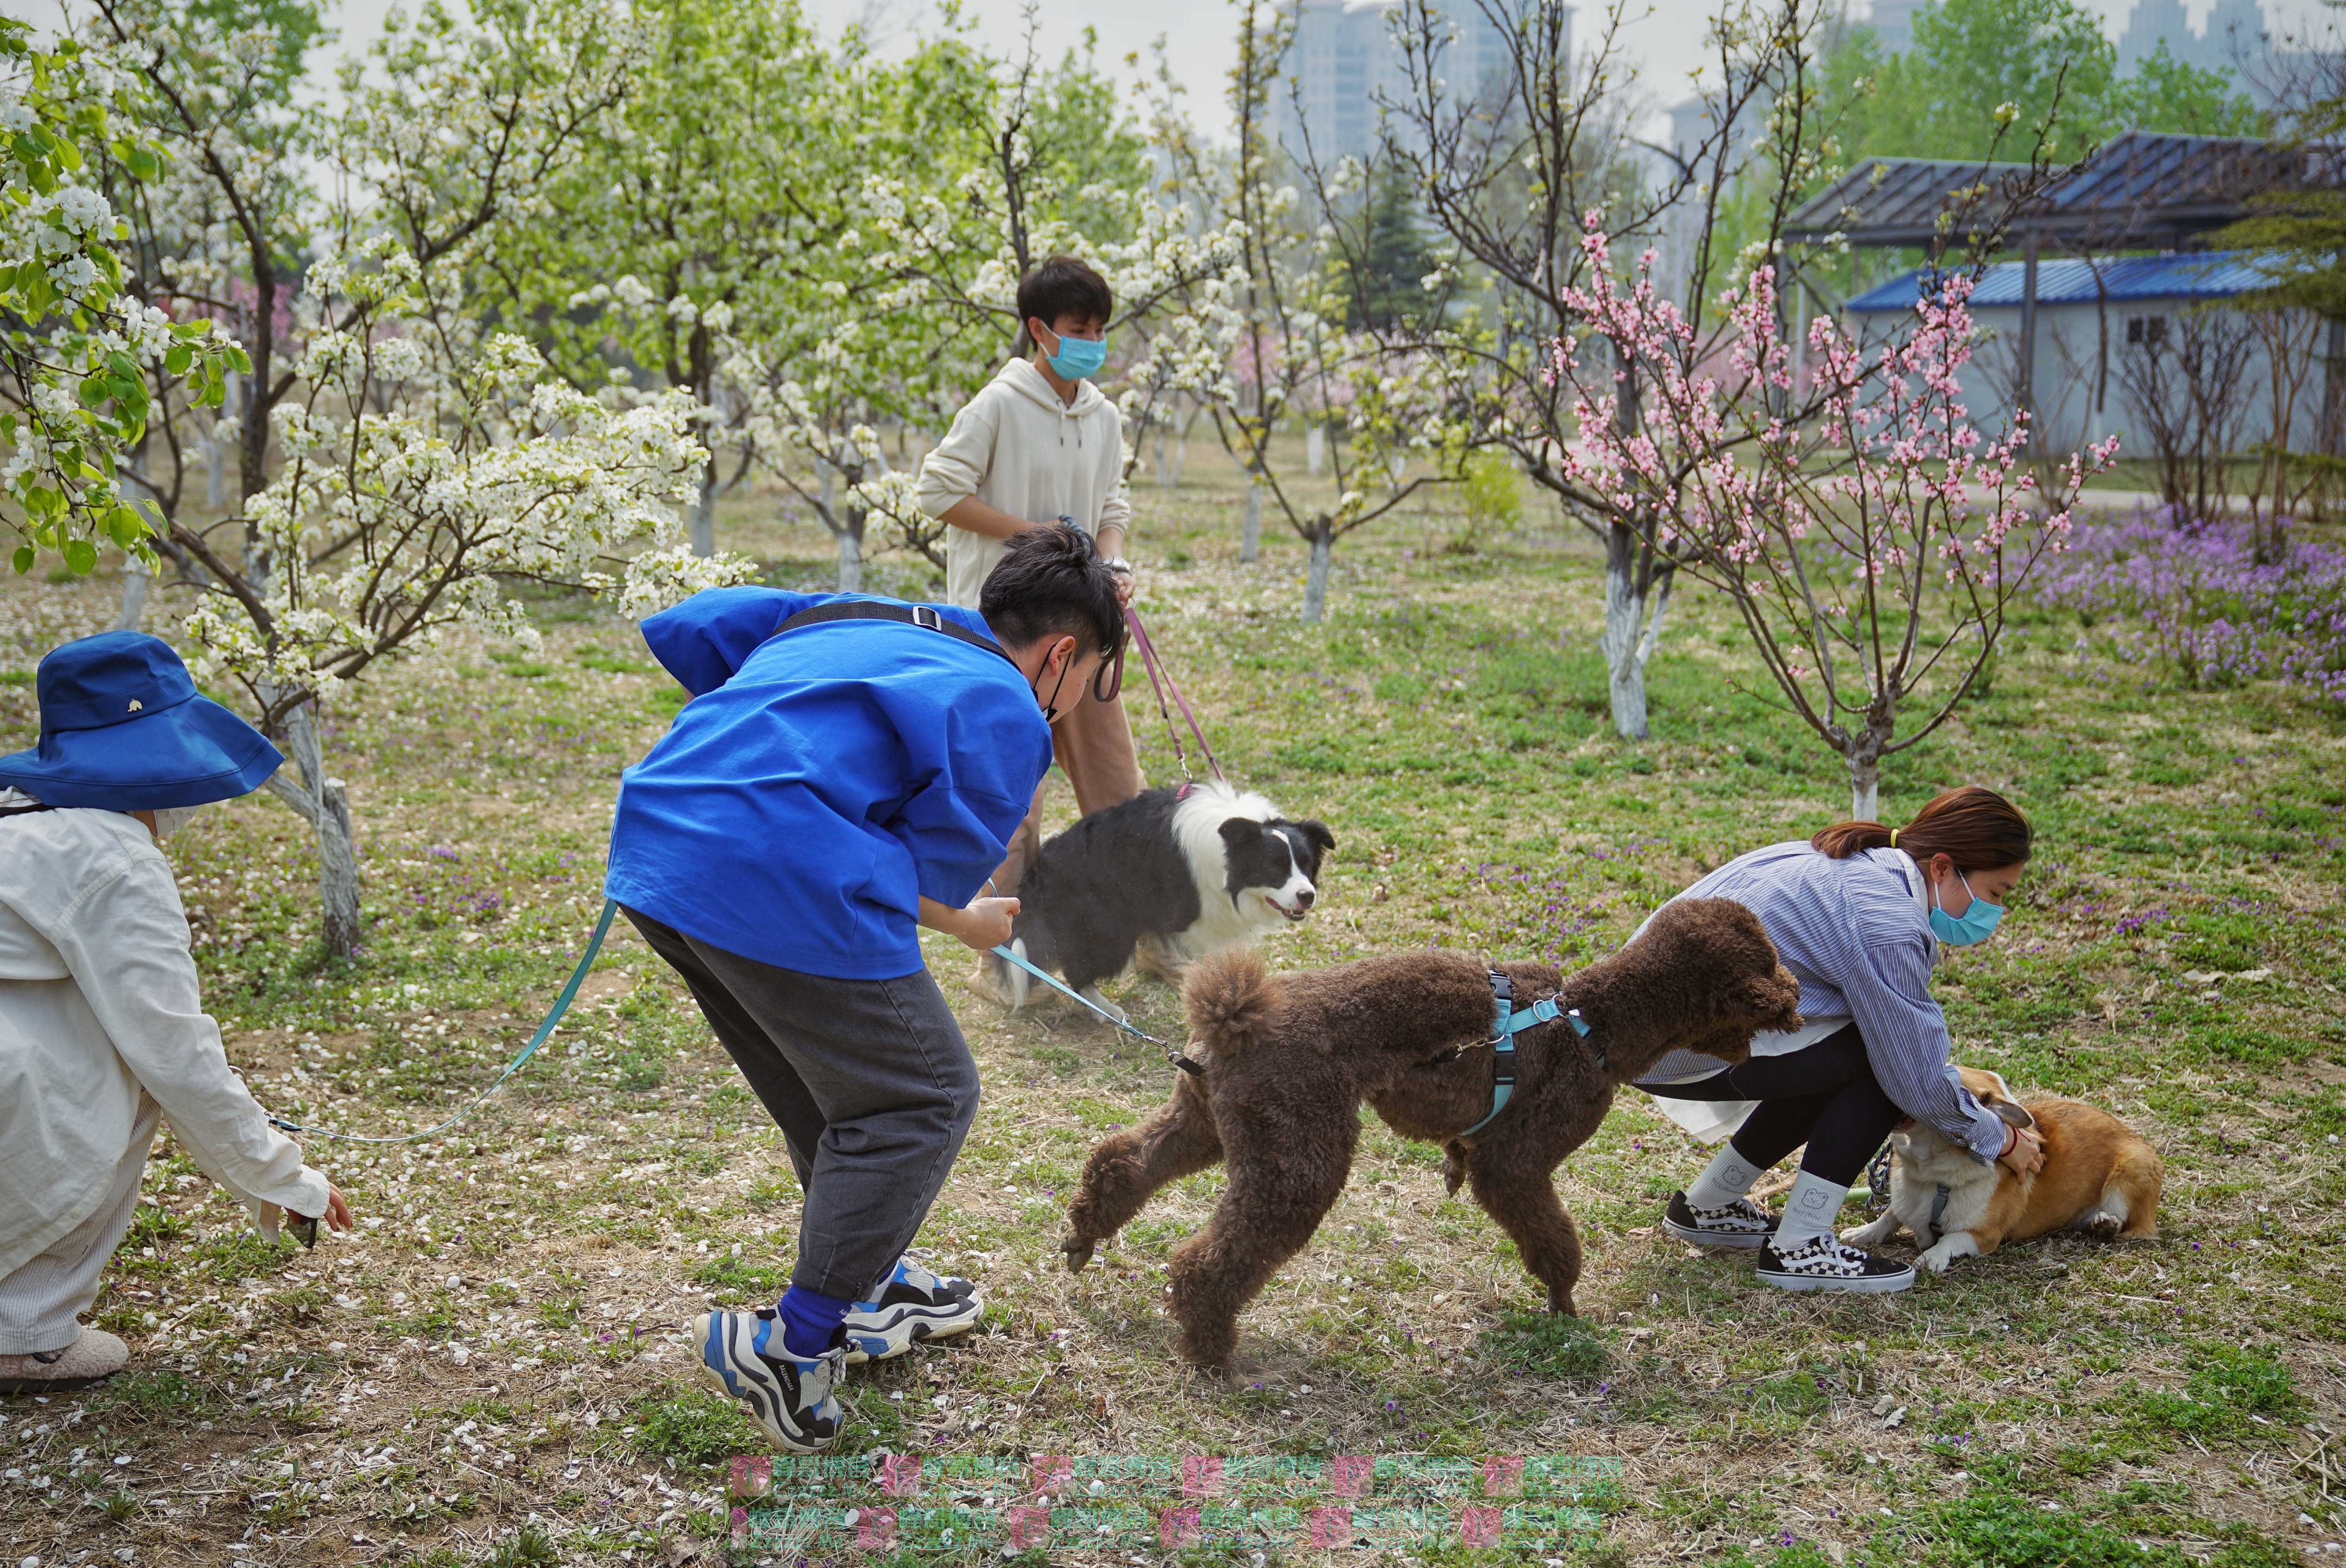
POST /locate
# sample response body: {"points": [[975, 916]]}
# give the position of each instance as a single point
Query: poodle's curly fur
{"points": [[1289, 1058]]}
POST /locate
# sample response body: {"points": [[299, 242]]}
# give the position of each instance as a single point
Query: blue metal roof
{"points": [[2068, 281]]}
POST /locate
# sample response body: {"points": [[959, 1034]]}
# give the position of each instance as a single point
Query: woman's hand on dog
{"points": [[2023, 1151]]}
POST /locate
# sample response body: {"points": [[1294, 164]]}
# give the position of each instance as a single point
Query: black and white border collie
{"points": [[1185, 872]]}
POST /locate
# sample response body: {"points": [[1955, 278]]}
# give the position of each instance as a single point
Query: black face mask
{"points": [[1051, 707]]}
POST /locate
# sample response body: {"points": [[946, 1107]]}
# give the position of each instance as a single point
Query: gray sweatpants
{"points": [[42, 1298], [871, 1082]]}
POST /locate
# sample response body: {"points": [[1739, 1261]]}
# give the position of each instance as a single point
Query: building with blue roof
{"points": [[2135, 346]]}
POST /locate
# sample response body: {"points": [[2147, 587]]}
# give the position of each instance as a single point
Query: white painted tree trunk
{"points": [[1164, 469], [215, 484], [1180, 451], [1864, 757], [1632, 627], [703, 521], [321, 801], [135, 578], [1315, 450], [1250, 537], [850, 556], [135, 572], [1315, 582], [1865, 792]]}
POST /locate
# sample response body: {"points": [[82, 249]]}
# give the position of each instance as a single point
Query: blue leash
{"points": [[561, 1006], [1173, 1056]]}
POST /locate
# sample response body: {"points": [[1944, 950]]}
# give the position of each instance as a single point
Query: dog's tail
{"points": [[1013, 974], [1228, 998]]}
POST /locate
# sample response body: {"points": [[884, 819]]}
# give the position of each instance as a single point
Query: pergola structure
{"points": [[2139, 191]]}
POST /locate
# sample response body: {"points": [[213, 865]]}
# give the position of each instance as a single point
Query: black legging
{"points": [[1824, 1095]]}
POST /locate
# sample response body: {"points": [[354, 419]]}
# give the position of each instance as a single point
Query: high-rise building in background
{"points": [[2236, 33], [1345, 58]]}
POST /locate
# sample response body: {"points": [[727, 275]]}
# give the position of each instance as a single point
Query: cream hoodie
{"points": [[99, 1018], [1020, 449]]}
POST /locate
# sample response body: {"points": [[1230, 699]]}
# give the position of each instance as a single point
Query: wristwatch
{"points": [[1118, 564]]}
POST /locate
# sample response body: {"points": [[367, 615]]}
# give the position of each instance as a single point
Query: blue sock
{"points": [[811, 1320]]}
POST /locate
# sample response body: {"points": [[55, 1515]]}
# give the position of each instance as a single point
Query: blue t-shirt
{"points": [[818, 784]]}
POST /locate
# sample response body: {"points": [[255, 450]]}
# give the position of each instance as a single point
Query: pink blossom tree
{"points": [[1867, 533]]}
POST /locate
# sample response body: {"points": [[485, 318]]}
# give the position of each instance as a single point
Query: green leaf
{"points": [[238, 361], [176, 359], [81, 558], [23, 559]]}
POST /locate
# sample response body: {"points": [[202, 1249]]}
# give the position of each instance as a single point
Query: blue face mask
{"points": [[1079, 357], [1973, 925]]}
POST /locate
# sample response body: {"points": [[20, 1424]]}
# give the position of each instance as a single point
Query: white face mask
{"points": [[169, 820]]}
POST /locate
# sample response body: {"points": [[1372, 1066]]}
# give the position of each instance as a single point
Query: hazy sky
{"points": [[1666, 37]]}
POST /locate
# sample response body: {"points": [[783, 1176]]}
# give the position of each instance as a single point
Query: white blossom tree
{"points": [[405, 462], [77, 346], [1274, 330]]}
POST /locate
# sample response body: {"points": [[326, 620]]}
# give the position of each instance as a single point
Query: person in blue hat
{"points": [[849, 768], [103, 1034]]}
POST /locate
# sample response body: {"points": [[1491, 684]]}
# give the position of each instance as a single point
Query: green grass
{"points": [[1448, 722]]}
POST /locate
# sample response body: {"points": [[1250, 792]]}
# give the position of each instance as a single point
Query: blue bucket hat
{"points": [[123, 729]]}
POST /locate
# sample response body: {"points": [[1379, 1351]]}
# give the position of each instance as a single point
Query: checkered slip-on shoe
{"points": [[1739, 1224], [1829, 1263], [742, 1355], [914, 1306]]}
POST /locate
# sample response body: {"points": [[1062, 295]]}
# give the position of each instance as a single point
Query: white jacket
{"points": [[100, 1011], [1020, 449]]}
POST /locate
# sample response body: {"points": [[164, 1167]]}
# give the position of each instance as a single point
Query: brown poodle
{"points": [[1289, 1059]]}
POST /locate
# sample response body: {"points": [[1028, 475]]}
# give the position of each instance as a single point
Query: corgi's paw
{"points": [[1937, 1258]]}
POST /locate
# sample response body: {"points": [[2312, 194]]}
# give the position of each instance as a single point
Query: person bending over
{"points": [[103, 1033], [849, 768], [1858, 913]]}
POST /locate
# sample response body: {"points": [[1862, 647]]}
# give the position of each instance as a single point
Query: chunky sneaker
{"points": [[741, 1354], [913, 1306], [1829, 1263], [1741, 1223]]}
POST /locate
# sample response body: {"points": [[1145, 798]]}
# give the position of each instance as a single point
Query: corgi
{"points": [[2098, 1177]]}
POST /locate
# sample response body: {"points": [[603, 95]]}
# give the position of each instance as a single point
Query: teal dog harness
{"points": [[1506, 1022]]}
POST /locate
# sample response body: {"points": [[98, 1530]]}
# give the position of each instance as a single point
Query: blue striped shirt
{"points": [[1857, 936]]}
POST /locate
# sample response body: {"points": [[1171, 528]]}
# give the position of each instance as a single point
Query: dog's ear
{"points": [[1317, 835], [1239, 831], [2013, 1113]]}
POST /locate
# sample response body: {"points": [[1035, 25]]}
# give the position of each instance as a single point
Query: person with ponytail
{"points": [[1858, 913]]}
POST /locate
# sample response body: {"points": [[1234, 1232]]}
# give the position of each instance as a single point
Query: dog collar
{"points": [[1938, 1213]]}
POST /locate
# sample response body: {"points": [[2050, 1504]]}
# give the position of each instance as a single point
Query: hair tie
{"points": [[1893, 838]]}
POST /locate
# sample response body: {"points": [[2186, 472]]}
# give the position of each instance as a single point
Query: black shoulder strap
{"points": [[908, 614], [25, 810]]}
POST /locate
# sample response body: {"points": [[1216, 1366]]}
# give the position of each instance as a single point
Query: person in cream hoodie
{"points": [[1038, 443]]}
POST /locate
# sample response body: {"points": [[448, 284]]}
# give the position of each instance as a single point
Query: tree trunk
{"points": [[1864, 789], [1251, 538], [704, 512], [1315, 450], [1863, 751], [321, 799], [215, 491], [134, 577], [1164, 473], [1315, 582], [1180, 451], [1630, 630], [851, 553]]}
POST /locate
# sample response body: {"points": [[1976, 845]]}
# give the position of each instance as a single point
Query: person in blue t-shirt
{"points": [[849, 768]]}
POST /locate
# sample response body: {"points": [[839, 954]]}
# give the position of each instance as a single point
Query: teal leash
{"points": [[561, 1006], [1173, 1056]]}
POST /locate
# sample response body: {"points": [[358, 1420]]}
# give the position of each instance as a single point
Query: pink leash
{"points": [[1160, 680]]}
